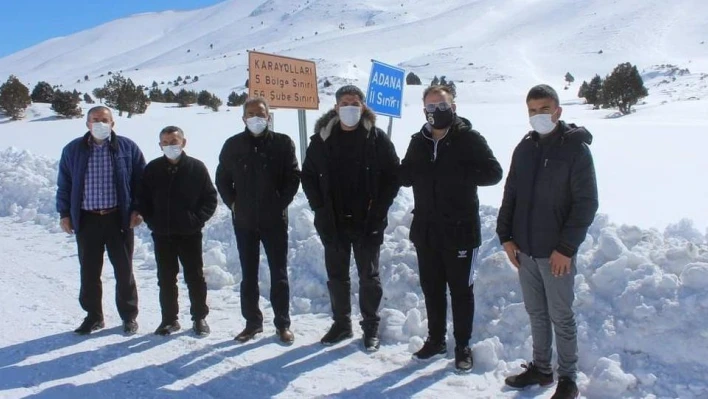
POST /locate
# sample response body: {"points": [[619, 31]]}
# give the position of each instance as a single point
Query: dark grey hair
{"points": [[171, 129], [256, 100], [542, 91], [96, 109], [349, 89]]}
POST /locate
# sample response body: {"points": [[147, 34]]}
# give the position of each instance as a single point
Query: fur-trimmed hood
{"points": [[324, 125]]}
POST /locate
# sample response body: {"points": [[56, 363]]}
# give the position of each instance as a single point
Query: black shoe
{"points": [[532, 376], [285, 335], [463, 359], [248, 333], [130, 327], [89, 325], [432, 348], [566, 389], [371, 339], [337, 333], [201, 328], [168, 327]]}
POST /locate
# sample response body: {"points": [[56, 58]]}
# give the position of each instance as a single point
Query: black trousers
{"points": [[96, 234], [440, 268], [337, 262], [170, 251], [275, 243]]}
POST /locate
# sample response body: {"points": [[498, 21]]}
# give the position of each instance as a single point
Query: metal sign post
{"points": [[302, 122]]}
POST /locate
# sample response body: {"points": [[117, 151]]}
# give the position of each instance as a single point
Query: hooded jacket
{"points": [[550, 196], [445, 176], [380, 162]]}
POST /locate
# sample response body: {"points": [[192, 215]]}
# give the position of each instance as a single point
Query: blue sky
{"points": [[32, 22]]}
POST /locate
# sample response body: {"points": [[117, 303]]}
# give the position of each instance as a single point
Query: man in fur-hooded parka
{"points": [[349, 178]]}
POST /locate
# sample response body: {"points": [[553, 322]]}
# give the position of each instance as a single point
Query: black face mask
{"points": [[441, 119]]}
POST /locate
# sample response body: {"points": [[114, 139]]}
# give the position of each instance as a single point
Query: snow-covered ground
{"points": [[641, 291]]}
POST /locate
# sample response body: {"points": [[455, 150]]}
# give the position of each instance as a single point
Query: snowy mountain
{"points": [[643, 270]]}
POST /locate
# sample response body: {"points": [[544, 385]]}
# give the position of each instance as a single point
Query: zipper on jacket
{"points": [[172, 173], [536, 165]]}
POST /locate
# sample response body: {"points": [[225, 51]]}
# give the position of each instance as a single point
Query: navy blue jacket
{"points": [[128, 164], [550, 196]]}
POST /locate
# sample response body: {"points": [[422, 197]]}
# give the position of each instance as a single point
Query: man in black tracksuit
{"points": [[258, 177], [349, 178], [445, 163], [178, 197], [550, 200]]}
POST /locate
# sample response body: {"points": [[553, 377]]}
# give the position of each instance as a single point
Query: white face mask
{"points": [[350, 115], [256, 125], [100, 131], [542, 123], [172, 151]]}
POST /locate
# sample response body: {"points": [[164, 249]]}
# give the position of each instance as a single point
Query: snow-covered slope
{"points": [[641, 296], [480, 40]]}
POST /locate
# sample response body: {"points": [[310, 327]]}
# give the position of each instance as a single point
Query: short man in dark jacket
{"points": [[550, 200], [97, 198], [258, 177], [445, 163], [178, 197], [349, 180]]}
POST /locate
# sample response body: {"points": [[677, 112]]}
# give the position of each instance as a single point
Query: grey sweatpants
{"points": [[549, 300]]}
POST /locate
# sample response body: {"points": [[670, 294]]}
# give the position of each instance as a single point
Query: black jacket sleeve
{"points": [[388, 181], [405, 171], [145, 206], [483, 168], [291, 175], [208, 199], [310, 177], [224, 181], [505, 219], [584, 198]]}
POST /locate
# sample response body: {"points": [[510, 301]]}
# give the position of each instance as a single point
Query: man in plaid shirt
{"points": [[99, 175]]}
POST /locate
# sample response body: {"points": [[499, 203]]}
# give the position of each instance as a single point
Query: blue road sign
{"points": [[385, 93]]}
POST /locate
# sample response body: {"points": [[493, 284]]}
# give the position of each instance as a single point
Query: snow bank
{"points": [[641, 295]]}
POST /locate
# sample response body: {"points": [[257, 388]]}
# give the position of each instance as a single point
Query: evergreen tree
{"points": [[14, 98], [186, 98], [623, 88], [236, 100], [156, 96], [413, 79], [88, 99], [435, 81], [583, 91], [569, 78], [123, 95], [100, 93], [169, 96], [592, 94], [203, 98], [66, 104], [42, 93]]}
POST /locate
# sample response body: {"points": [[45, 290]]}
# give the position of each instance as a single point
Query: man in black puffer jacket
{"points": [[550, 200], [178, 197], [258, 178], [445, 163], [349, 178]]}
